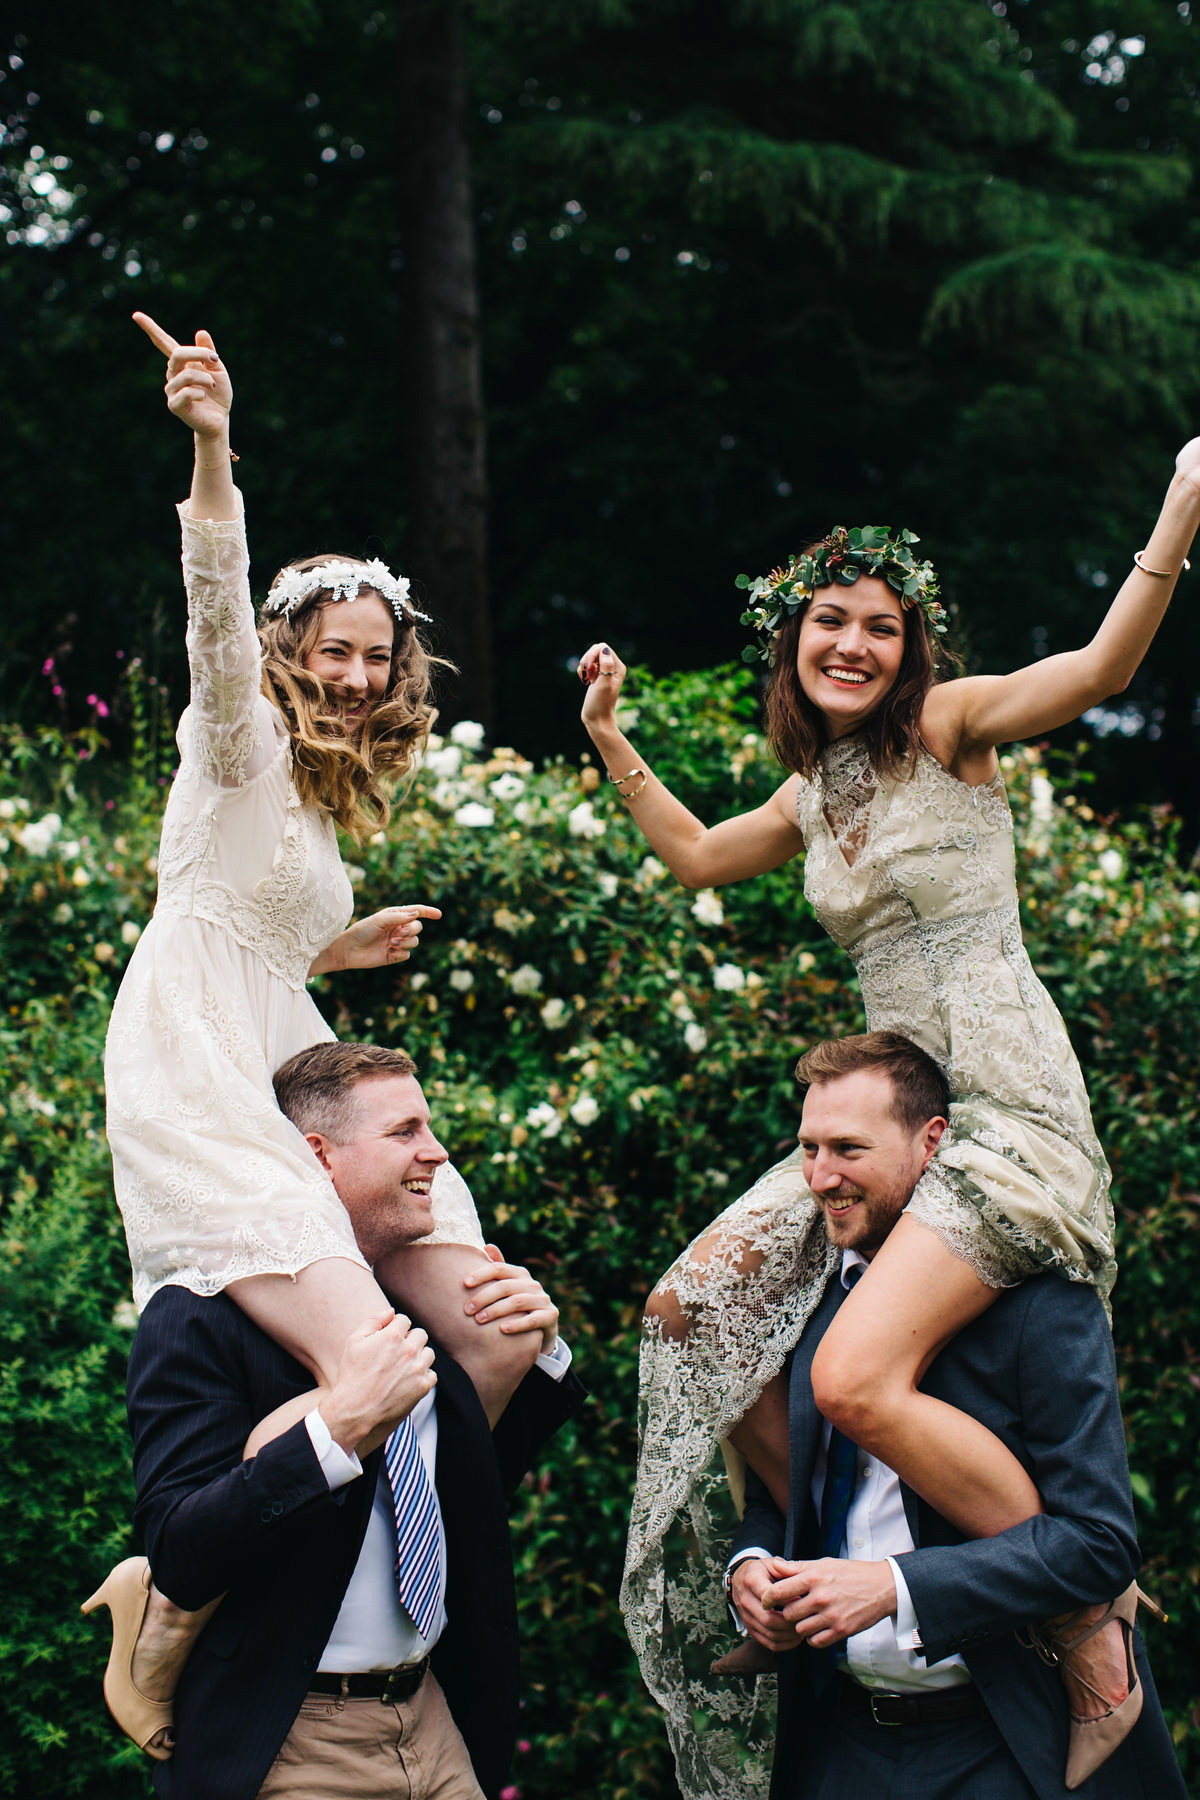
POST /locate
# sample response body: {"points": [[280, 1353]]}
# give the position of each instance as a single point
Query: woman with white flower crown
{"points": [[291, 730], [898, 802]]}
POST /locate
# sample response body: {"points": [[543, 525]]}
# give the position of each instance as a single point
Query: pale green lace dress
{"points": [[915, 878]]}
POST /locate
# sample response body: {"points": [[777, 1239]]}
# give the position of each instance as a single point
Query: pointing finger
{"points": [[158, 337]]}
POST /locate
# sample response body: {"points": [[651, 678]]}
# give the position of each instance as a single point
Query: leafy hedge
{"points": [[609, 1058]]}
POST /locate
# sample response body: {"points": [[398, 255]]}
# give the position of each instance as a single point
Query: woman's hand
{"points": [[385, 937], [603, 673], [198, 388], [507, 1291], [1187, 463]]}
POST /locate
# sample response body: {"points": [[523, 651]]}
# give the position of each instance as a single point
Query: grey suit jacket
{"points": [[1038, 1370]]}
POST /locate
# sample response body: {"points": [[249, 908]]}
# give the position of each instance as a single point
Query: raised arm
{"points": [[699, 856], [200, 394], [977, 713], [232, 732]]}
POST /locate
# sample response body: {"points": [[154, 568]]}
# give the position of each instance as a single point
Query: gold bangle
{"points": [[617, 780], [1159, 574], [637, 790]]}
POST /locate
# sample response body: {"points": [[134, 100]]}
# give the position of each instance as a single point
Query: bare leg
{"points": [[163, 1647], [916, 1295], [912, 1300], [426, 1282], [762, 1437]]}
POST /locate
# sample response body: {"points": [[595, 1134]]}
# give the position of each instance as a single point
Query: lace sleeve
{"points": [[232, 732]]}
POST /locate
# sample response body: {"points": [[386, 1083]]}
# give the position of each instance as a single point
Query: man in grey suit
{"points": [[901, 1672]]}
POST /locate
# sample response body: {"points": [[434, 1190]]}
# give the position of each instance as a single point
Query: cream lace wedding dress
{"points": [[213, 1182], [915, 878]]}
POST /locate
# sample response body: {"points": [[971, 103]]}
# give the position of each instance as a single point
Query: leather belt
{"points": [[934, 1707], [387, 1685]]}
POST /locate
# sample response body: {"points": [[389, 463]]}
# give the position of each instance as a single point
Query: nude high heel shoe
{"points": [[126, 1593], [1093, 1741]]}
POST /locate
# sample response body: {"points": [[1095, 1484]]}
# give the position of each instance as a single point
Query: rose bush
{"points": [[609, 1058]]}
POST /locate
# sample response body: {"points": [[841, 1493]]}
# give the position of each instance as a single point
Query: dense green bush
{"points": [[609, 1058]]}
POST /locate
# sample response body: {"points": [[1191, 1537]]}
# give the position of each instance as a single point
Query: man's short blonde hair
{"points": [[318, 1088]]}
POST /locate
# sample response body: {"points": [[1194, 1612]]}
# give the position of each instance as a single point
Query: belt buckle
{"points": [[395, 1680], [875, 1700]]}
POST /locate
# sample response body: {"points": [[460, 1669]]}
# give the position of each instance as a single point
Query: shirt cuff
{"points": [[907, 1629], [337, 1465], [755, 1551], [556, 1362]]}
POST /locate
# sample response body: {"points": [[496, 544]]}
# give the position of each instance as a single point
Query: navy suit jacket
{"points": [[1038, 1370], [271, 1537]]}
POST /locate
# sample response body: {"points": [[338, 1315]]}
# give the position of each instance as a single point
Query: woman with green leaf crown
{"points": [[897, 800]]}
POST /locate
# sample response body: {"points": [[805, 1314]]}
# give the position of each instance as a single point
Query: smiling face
{"points": [[861, 1163], [849, 651], [384, 1171], [352, 653]]}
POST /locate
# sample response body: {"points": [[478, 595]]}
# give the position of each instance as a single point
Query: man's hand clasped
{"points": [[511, 1294], [821, 1603], [386, 1368]]}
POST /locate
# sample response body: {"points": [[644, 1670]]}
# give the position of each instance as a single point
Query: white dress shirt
{"points": [[372, 1629], [888, 1655]]}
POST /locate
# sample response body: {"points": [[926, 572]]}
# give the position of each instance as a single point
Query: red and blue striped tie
{"points": [[418, 1545]]}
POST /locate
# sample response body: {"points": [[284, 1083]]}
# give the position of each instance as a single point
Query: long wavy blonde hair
{"points": [[344, 774]]}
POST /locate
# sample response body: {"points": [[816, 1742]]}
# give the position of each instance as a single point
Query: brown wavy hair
{"points": [[796, 728], [341, 774]]}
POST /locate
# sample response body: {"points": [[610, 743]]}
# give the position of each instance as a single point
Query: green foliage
{"points": [[609, 1058]]}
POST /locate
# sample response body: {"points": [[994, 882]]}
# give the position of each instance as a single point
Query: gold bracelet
{"points": [[620, 780], [1159, 574]]}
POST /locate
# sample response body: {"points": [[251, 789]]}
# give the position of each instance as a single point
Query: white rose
{"points": [[64, 913], [8, 809], [474, 815], [728, 978], [554, 1014], [1112, 864], [544, 1119], [130, 932], [443, 764], [708, 909], [461, 980], [582, 821], [416, 982], [525, 980], [1041, 799], [38, 836], [608, 884], [80, 876], [651, 869], [585, 1110], [507, 787], [467, 733], [695, 1037]]}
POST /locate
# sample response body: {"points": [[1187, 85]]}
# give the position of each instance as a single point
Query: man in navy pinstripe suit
{"points": [[310, 1679]]}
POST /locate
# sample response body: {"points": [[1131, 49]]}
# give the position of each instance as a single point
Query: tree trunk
{"points": [[443, 387]]}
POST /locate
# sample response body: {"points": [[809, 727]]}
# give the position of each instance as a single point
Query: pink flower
{"points": [[56, 691], [48, 666], [524, 1746], [510, 1793]]}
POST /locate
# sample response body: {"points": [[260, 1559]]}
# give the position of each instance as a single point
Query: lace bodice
{"points": [[238, 848], [915, 878]]}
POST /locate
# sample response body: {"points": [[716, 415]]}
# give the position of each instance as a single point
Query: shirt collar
{"points": [[851, 1260]]}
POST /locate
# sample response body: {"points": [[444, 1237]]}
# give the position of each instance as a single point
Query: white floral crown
{"points": [[343, 581]]}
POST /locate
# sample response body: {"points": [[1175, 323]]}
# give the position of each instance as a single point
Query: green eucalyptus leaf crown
{"points": [[841, 557]]}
